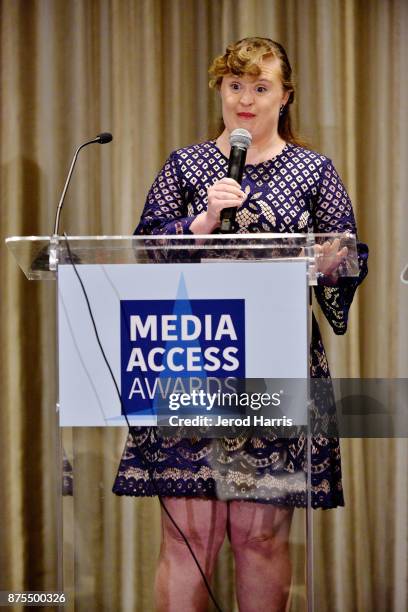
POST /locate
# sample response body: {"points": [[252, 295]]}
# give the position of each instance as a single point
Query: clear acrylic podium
{"points": [[107, 544]]}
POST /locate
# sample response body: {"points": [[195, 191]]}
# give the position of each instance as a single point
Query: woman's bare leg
{"points": [[179, 585], [259, 537]]}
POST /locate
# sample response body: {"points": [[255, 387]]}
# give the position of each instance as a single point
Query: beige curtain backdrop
{"points": [[138, 68]]}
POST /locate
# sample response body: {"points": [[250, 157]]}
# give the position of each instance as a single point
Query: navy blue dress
{"points": [[296, 191]]}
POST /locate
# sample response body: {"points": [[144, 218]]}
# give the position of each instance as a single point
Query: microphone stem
{"points": [[61, 202]]}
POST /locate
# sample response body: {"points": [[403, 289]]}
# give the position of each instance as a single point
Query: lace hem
{"points": [[268, 489]]}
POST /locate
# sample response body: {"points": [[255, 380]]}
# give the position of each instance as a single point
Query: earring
{"points": [[281, 110]]}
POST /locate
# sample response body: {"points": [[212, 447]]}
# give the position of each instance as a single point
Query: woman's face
{"points": [[253, 102]]}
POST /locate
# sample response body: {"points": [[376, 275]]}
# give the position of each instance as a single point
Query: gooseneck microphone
{"points": [[240, 140], [102, 139]]}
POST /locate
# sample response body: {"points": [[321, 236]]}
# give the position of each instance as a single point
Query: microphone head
{"points": [[240, 138], [104, 137]]}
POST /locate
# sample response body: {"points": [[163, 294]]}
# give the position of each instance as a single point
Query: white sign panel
{"points": [[186, 321]]}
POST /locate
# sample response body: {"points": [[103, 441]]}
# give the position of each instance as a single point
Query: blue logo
{"points": [[167, 342]]}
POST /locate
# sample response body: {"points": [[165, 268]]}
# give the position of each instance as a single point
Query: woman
{"points": [[286, 188]]}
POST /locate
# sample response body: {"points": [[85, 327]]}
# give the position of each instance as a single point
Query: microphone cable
{"points": [[145, 462]]}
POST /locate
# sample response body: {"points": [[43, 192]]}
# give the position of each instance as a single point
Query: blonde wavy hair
{"points": [[245, 58]]}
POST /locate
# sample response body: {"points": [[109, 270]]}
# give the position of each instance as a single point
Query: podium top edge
{"points": [[260, 236]]}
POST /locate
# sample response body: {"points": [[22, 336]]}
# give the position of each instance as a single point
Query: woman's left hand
{"points": [[328, 258]]}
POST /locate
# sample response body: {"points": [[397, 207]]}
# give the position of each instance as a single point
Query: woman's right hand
{"points": [[225, 193]]}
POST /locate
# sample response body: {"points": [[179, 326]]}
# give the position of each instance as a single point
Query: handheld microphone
{"points": [[102, 138], [240, 140]]}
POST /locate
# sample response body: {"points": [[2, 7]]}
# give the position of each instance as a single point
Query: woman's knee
{"points": [[202, 521], [259, 527]]}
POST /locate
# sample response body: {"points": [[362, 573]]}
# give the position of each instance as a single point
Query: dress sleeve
{"points": [[165, 210], [333, 212]]}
